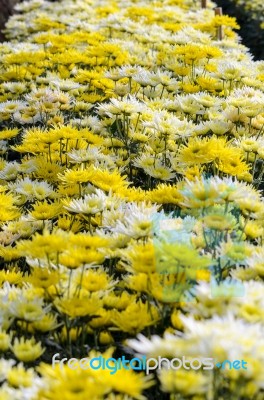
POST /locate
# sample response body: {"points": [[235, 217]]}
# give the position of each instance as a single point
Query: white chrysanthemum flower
{"points": [[90, 204], [12, 106], [160, 171], [5, 367], [218, 337], [65, 84], [32, 189], [128, 105], [84, 155], [138, 221], [10, 171]]}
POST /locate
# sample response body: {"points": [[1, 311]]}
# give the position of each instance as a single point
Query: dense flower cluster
{"points": [[131, 169]]}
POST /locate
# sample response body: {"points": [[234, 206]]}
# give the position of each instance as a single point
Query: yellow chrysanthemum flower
{"points": [[27, 350]]}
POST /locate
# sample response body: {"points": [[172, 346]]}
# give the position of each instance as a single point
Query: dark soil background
{"points": [[6, 9], [251, 33]]}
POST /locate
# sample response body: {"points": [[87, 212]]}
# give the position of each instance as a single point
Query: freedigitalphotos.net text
{"points": [[145, 364]]}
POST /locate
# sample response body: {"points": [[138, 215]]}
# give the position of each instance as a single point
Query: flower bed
{"points": [[132, 218]]}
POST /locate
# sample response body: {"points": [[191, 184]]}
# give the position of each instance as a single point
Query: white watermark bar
{"points": [[145, 364]]}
